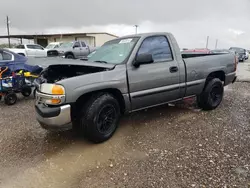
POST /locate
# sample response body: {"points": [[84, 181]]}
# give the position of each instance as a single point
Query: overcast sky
{"points": [[189, 20]]}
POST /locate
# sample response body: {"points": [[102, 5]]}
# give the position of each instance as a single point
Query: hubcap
{"points": [[216, 95], [11, 99], [106, 119]]}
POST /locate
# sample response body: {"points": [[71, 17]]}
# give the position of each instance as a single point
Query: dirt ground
{"points": [[176, 146]]}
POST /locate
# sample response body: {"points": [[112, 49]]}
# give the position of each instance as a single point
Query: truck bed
{"points": [[199, 65]]}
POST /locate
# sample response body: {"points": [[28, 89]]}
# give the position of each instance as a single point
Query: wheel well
{"points": [[69, 53], [21, 54], [115, 92], [217, 74]]}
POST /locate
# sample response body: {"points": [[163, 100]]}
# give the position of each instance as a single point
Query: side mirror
{"points": [[143, 59]]}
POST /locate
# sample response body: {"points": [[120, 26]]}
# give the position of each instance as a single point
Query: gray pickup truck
{"points": [[126, 75], [71, 50]]}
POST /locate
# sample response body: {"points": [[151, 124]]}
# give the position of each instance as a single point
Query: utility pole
{"points": [[8, 30], [216, 43], [207, 41], [136, 26]]}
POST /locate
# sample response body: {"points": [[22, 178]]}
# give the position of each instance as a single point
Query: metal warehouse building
{"points": [[92, 39]]}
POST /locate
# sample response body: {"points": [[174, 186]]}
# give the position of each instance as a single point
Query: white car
{"points": [[30, 50], [53, 45]]}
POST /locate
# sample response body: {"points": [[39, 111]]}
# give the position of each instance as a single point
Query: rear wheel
{"points": [[0, 97], [99, 118], [10, 98], [212, 95]]}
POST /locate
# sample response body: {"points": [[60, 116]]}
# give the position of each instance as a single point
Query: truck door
{"points": [[157, 82], [31, 50], [40, 51], [77, 49], [84, 49]]}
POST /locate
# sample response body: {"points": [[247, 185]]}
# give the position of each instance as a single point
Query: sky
{"points": [[190, 21]]}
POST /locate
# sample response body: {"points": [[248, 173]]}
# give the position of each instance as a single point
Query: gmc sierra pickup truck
{"points": [[126, 75]]}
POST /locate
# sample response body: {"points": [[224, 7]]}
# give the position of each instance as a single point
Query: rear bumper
{"points": [[230, 78], [54, 118]]}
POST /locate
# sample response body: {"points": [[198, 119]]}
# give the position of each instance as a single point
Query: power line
{"points": [[8, 30]]}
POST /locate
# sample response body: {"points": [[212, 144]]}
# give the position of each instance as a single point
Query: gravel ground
{"points": [[176, 146]]}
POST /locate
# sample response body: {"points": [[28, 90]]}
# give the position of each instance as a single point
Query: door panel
{"points": [[84, 49], [153, 84], [157, 82], [31, 50], [77, 49], [40, 51]]}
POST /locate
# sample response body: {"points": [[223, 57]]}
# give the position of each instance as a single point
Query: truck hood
{"points": [[61, 49], [55, 61], [64, 69]]}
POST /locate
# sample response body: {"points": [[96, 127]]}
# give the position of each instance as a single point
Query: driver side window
{"points": [[158, 46], [77, 45], [38, 47]]}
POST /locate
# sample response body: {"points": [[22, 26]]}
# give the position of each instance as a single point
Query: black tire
{"points": [[0, 97], [212, 95], [99, 118], [26, 91], [10, 98], [70, 56]]}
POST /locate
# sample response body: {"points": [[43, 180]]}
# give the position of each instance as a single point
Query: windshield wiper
{"points": [[101, 62]]}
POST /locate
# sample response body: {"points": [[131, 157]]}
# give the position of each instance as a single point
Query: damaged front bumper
{"points": [[53, 117]]}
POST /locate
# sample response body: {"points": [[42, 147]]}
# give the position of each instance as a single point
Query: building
{"points": [[92, 39]]}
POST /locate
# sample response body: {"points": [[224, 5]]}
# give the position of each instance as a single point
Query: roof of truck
{"points": [[145, 34]]}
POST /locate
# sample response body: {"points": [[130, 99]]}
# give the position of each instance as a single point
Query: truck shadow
{"points": [[59, 140]]}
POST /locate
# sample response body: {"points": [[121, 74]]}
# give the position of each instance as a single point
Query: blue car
{"points": [[16, 62]]}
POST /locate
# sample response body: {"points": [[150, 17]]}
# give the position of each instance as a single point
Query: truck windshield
{"points": [[115, 51], [67, 44], [51, 46]]}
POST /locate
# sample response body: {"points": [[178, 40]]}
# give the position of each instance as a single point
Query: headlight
{"points": [[57, 93]]}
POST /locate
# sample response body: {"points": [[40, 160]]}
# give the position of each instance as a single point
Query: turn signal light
{"points": [[58, 90]]}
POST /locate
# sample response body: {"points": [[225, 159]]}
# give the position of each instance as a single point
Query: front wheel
{"points": [[26, 91], [99, 118], [69, 56], [212, 95]]}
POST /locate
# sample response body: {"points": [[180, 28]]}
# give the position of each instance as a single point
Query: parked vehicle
{"points": [[53, 45], [29, 50], [72, 50], [247, 55], [15, 76], [197, 51], [241, 52], [16, 62], [125, 75]]}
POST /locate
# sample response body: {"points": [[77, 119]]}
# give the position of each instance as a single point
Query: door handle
{"points": [[173, 69]]}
